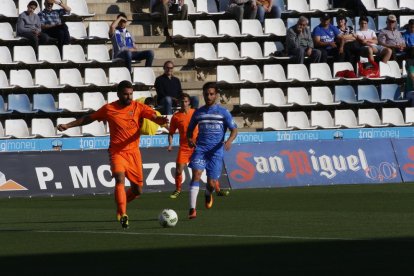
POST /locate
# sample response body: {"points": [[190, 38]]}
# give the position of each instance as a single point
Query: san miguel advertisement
{"points": [[404, 149], [302, 163], [82, 172]]}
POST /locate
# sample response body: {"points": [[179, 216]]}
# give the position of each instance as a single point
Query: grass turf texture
{"points": [[334, 230]]}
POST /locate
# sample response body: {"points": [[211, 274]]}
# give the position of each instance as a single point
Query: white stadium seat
{"points": [[44, 128], [17, 128]]}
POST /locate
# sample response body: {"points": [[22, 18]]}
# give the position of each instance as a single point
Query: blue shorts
{"points": [[211, 161]]}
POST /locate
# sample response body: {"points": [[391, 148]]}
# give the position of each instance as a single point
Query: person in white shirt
{"points": [[368, 39]]}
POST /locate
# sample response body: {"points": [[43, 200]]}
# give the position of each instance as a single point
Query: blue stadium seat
{"points": [[20, 103], [369, 93], [392, 93], [345, 94], [45, 103]]}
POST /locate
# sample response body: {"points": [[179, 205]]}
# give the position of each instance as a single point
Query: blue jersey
{"points": [[326, 35], [213, 123]]}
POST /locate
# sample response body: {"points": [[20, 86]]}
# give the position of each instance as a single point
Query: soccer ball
{"points": [[168, 218]]}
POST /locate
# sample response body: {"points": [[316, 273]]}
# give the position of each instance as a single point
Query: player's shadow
{"points": [[370, 257]]}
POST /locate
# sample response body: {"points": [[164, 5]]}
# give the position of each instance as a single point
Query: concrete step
{"points": [[111, 8]]}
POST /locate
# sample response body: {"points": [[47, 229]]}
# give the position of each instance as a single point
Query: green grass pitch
{"points": [[328, 230]]}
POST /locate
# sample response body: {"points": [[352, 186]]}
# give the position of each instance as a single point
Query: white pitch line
{"points": [[198, 235]]}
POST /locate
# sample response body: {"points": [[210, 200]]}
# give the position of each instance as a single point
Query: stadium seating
{"points": [[369, 94], [71, 132], [3, 109], [94, 129], [252, 27], [99, 53], [8, 9], [20, 103], [118, 74], [370, 117], [45, 103], [2, 132], [393, 117], [77, 31], [144, 76], [93, 100], [74, 53], [50, 54], [274, 121], [299, 6], [230, 28], [70, 102], [298, 72], [390, 5], [22, 78], [346, 118], [322, 119], [17, 128], [5, 56], [392, 93], [252, 50], [208, 7], [406, 4], [299, 96], [25, 54], [98, 30], [47, 78], [322, 72], [44, 128], [229, 51], [96, 76], [6, 33], [4, 82], [274, 72], [228, 74], [323, 95], [205, 52], [71, 77], [346, 94], [251, 98], [206, 28], [275, 26], [79, 8], [275, 97], [298, 120], [183, 29], [251, 73]]}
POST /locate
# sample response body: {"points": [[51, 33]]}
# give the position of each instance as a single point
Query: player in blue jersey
{"points": [[213, 121]]}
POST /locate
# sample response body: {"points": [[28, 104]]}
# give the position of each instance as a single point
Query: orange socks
{"points": [[130, 196], [178, 182], [120, 198]]}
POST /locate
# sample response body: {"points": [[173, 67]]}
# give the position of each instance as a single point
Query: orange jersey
{"points": [[180, 120], [123, 124]]}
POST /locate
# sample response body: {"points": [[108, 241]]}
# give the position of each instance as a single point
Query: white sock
{"points": [[194, 188]]}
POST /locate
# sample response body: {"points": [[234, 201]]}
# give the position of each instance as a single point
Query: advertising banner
{"points": [[303, 163], [404, 150], [82, 172]]}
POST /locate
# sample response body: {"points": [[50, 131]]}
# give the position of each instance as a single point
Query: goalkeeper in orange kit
{"points": [[180, 120]]}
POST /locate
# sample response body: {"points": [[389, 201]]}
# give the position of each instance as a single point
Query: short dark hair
{"points": [[149, 101], [340, 17], [122, 85], [185, 95], [209, 85], [165, 63], [121, 14], [411, 22], [32, 3], [363, 18]]}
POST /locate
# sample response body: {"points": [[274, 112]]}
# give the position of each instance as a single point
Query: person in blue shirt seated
{"points": [[123, 44], [409, 39], [327, 38]]}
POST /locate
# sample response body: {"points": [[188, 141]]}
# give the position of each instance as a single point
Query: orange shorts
{"points": [[184, 154], [129, 163]]}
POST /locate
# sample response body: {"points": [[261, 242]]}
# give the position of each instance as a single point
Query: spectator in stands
{"points": [[327, 38], [29, 26], [409, 39], [240, 9], [299, 43], [52, 24], [391, 37], [267, 8], [409, 84], [349, 47], [368, 40], [169, 6], [123, 44], [169, 90]]}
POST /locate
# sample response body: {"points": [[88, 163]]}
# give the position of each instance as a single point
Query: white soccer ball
{"points": [[168, 218]]}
